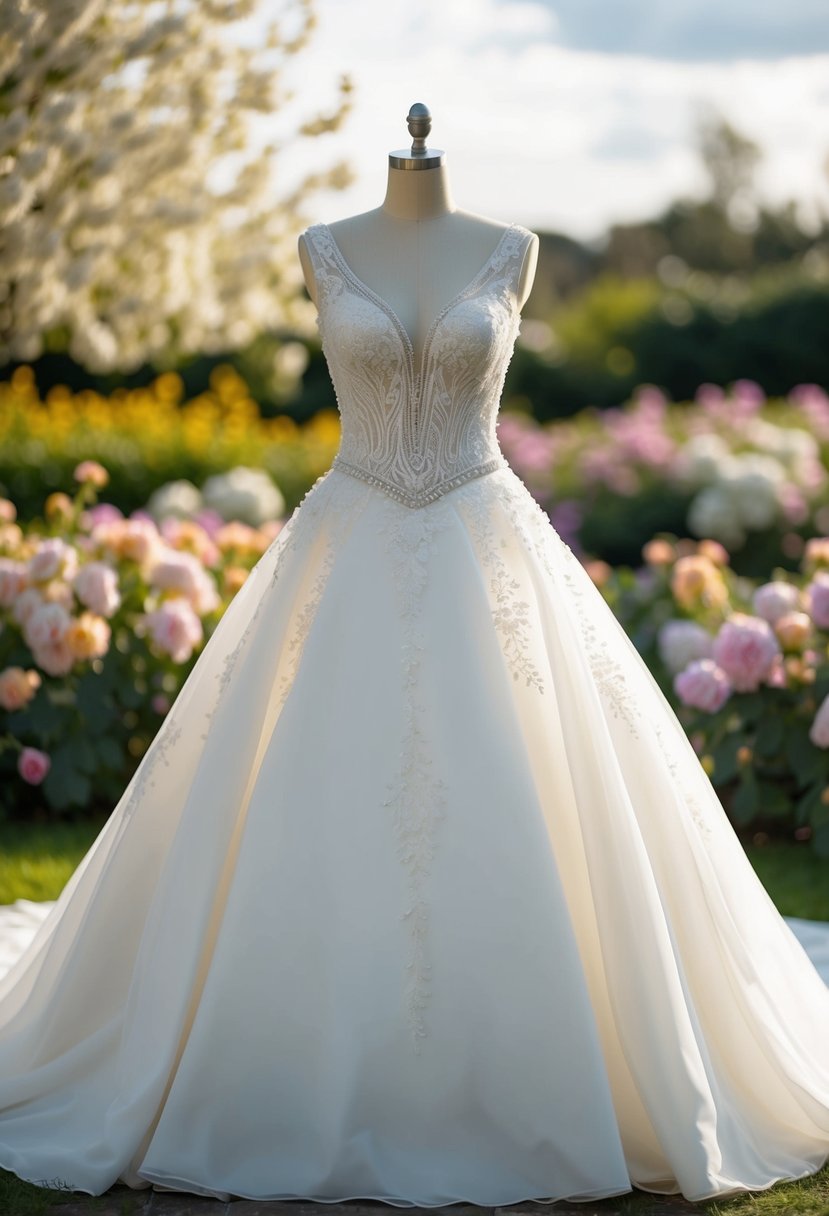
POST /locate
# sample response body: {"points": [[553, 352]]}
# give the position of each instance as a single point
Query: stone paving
{"points": [[122, 1201]]}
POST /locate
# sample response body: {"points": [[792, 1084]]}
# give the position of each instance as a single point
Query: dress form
{"points": [[417, 250]]}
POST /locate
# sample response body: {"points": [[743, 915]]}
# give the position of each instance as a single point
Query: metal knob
{"points": [[419, 122]]}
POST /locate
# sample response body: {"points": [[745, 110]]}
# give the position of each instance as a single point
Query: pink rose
{"points": [[55, 658], [26, 603], [819, 730], [745, 648], [12, 580], [184, 573], [52, 557], [818, 599], [96, 586], [773, 600], [175, 628], [46, 625], [33, 765], [703, 685], [680, 642]]}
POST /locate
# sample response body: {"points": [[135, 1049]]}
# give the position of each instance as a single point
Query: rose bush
{"points": [[102, 617], [730, 466], [745, 665]]}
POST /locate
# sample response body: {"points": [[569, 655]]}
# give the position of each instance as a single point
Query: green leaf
{"points": [[725, 761], [65, 784], [770, 731], [820, 840], [93, 702], [808, 763], [808, 804], [746, 802]]}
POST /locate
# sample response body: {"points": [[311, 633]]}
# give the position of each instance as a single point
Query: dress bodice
{"points": [[418, 429]]}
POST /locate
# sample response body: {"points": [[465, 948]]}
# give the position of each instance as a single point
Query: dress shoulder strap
{"points": [[327, 274], [512, 255]]}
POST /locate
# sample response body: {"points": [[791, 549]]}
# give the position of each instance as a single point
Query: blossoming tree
{"points": [[112, 115]]}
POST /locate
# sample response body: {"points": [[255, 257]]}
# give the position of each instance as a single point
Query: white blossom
{"points": [[113, 117]]}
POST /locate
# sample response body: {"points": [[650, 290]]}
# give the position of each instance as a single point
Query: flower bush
{"points": [[731, 466], [102, 617], [147, 437], [745, 665]]}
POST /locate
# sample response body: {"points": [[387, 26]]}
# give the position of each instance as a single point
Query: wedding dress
{"points": [[420, 893]]}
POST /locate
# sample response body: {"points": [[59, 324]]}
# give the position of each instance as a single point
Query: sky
{"points": [[569, 115]]}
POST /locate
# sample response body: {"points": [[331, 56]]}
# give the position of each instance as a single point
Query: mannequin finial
{"points": [[419, 122]]}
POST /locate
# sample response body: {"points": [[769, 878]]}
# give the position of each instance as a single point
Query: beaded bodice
{"points": [[418, 430]]}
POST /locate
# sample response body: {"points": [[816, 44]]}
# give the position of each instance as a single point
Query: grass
{"points": [[810, 1197], [37, 859]]}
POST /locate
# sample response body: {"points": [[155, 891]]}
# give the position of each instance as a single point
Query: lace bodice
{"points": [[418, 430]]}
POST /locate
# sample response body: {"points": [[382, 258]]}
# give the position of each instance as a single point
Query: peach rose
{"points": [[88, 636], [58, 506], [696, 580], [91, 471], [658, 552], [17, 687], [793, 629]]}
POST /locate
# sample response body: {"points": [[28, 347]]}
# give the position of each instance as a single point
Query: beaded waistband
{"points": [[419, 498]]}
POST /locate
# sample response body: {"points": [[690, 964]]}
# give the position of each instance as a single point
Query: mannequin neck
{"points": [[418, 194]]}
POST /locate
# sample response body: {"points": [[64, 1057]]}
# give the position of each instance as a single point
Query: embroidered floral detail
{"points": [[685, 794], [418, 431], [417, 795], [144, 776], [539, 536], [607, 671], [510, 614]]}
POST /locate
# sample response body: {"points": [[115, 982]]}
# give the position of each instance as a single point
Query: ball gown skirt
{"points": [[420, 894]]}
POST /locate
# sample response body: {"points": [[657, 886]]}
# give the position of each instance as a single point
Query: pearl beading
{"points": [[419, 498]]}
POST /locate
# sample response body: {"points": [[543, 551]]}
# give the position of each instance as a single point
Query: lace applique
{"points": [[417, 433], [144, 776], [607, 671], [539, 535], [686, 795], [510, 615], [417, 796]]}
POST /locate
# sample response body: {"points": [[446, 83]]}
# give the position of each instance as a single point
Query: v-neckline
{"points": [[416, 372]]}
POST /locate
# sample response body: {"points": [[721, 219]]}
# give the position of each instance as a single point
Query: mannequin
{"points": [[418, 250]]}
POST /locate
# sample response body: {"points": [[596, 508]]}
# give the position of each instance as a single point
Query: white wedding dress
{"points": [[421, 893]]}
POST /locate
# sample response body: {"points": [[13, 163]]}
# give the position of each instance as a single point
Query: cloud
{"points": [[693, 30], [548, 135]]}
